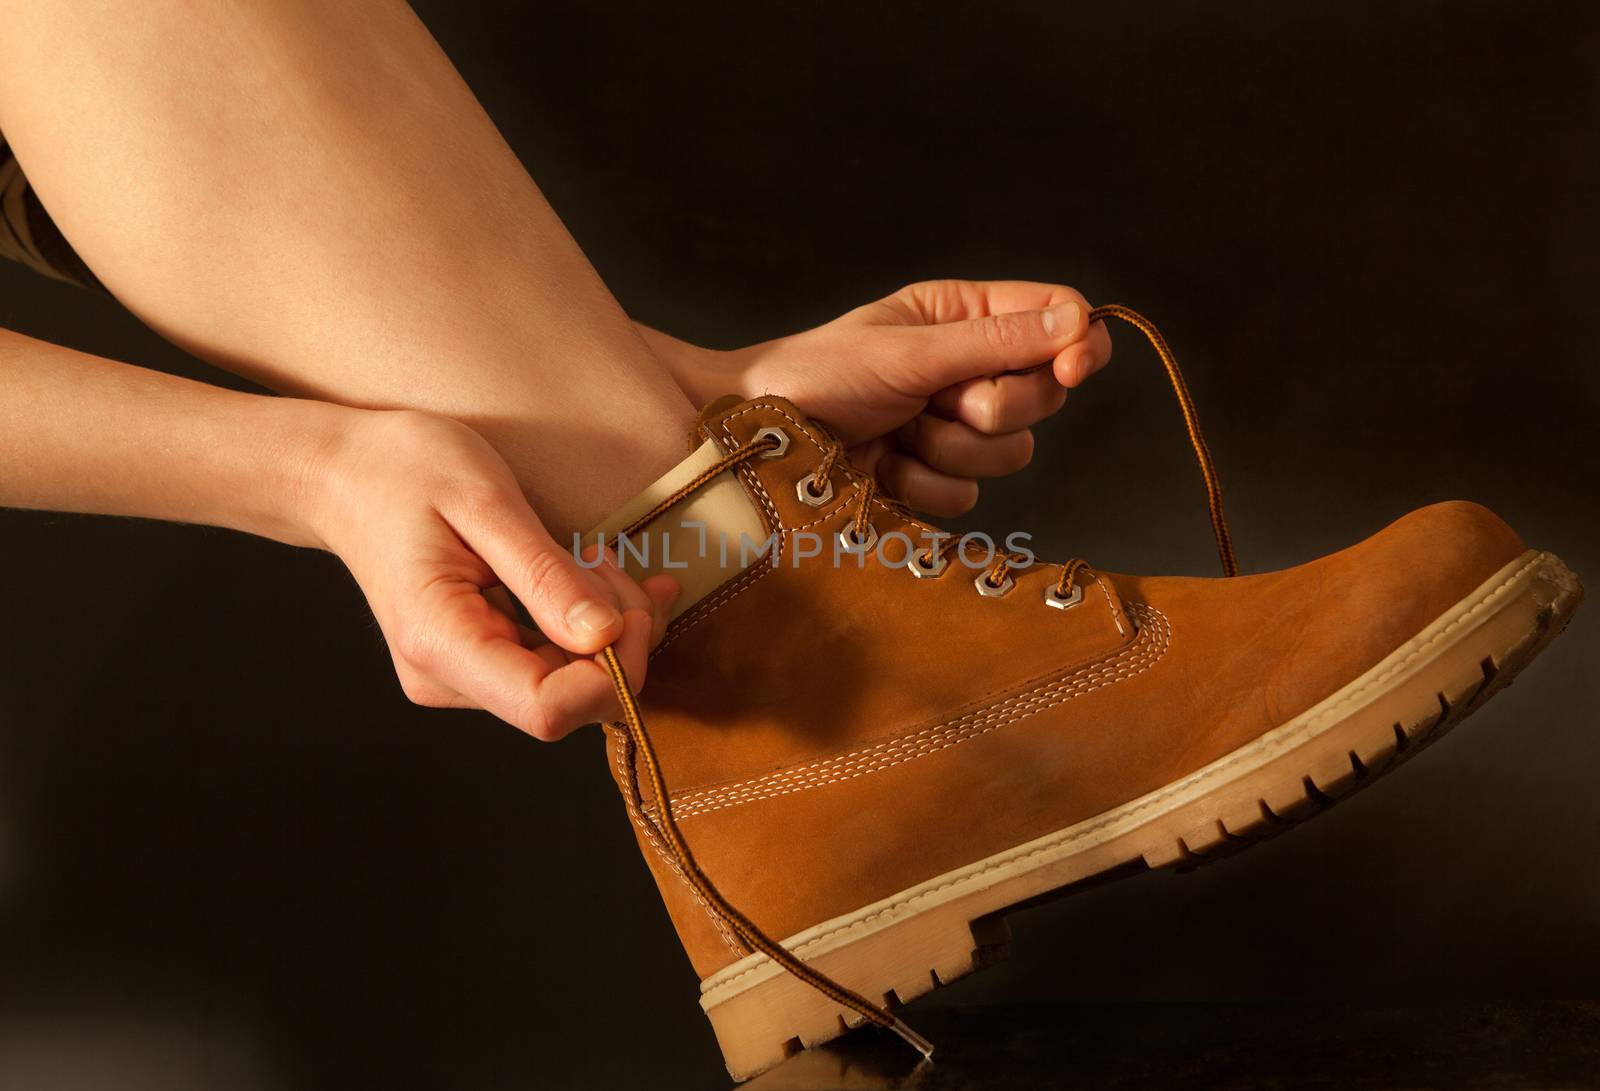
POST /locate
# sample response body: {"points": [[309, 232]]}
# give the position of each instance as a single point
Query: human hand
{"points": [[435, 529], [931, 387]]}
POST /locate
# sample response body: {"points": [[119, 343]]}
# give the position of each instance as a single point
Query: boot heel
{"points": [[762, 1024]]}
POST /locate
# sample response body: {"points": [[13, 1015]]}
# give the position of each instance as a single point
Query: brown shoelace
{"points": [[666, 827]]}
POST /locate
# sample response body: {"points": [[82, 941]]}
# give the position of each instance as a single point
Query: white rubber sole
{"points": [[906, 945]]}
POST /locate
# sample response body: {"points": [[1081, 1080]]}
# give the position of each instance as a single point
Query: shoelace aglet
{"points": [[913, 1039]]}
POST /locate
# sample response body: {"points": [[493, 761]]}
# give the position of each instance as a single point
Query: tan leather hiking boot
{"points": [[874, 761]]}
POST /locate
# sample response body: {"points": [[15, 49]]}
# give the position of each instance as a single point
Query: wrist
{"points": [[703, 374], [300, 472]]}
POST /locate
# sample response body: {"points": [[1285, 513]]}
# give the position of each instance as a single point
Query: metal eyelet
{"points": [[772, 433], [802, 489], [847, 538], [1063, 602], [993, 591], [926, 572]]}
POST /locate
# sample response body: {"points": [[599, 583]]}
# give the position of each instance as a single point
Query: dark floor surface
{"points": [[1295, 1045]]}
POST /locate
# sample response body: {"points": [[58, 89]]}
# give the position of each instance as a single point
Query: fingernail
{"points": [[1061, 319], [589, 617]]}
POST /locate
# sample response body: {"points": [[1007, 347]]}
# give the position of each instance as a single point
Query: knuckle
{"points": [[1011, 408], [419, 427], [905, 359], [478, 498], [415, 646], [450, 447], [1002, 331], [941, 288], [1018, 452], [891, 475], [537, 720], [961, 501], [544, 576], [420, 691], [988, 410]]}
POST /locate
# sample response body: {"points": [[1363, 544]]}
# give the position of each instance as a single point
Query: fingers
{"points": [[959, 450], [603, 563], [581, 692], [446, 534], [422, 690], [997, 406], [456, 650], [925, 488], [475, 656], [576, 607], [935, 469], [546, 693], [663, 591], [942, 355], [956, 330], [1082, 359], [931, 302], [654, 597], [502, 601], [462, 653], [865, 456]]}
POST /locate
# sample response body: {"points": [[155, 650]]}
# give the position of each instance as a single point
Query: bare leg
{"points": [[308, 194]]}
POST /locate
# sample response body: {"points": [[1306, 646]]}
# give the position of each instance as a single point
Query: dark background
{"points": [[231, 855]]}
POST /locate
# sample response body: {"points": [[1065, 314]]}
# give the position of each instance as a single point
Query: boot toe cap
{"points": [[1257, 650], [1350, 610]]}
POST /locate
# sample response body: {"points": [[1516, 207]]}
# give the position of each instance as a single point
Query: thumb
{"points": [[572, 605], [953, 352]]}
